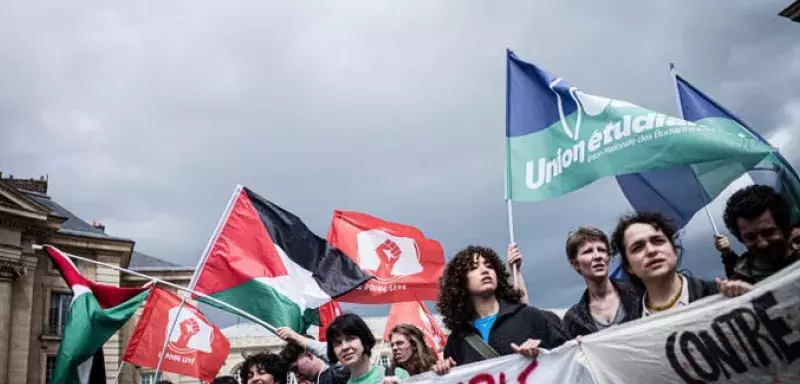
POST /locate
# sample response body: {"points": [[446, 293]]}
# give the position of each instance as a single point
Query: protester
{"points": [[350, 341], [605, 302], [409, 350], [225, 380], [647, 243], [263, 368], [306, 366], [484, 313], [760, 219]]}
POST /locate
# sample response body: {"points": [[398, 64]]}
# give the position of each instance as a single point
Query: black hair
{"points": [[291, 352], [269, 362], [658, 221], [349, 324], [225, 380], [752, 201]]}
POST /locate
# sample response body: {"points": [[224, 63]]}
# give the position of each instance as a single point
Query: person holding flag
{"points": [[484, 312], [760, 218], [409, 349], [306, 365]]}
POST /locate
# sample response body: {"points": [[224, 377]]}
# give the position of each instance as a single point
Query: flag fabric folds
{"points": [[560, 139], [417, 314], [682, 191], [406, 265], [327, 313], [195, 348], [96, 312], [266, 262]]}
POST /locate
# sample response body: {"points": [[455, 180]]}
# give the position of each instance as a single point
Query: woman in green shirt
{"points": [[350, 341]]}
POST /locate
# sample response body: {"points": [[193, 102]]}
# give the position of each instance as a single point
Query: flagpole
{"points": [[200, 264], [238, 311], [674, 76], [119, 371], [509, 203]]}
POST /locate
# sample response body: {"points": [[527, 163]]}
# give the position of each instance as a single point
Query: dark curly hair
{"points": [[455, 303], [654, 219], [225, 380], [269, 362], [349, 324], [752, 201]]}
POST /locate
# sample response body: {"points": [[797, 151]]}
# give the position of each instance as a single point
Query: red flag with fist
{"points": [[405, 263], [196, 347]]}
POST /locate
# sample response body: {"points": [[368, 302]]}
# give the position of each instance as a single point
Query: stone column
{"points": [[21, 319], [8, 272]]}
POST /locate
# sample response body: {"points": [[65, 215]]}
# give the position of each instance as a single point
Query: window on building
{"points": [[49, 368], [147, 378], [59, 310]]}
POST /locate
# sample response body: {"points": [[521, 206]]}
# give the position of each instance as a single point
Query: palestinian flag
{"points": [[266, 262], [97, 311]]}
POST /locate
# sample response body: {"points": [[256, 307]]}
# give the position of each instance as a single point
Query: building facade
{"points": [[34, 300]]}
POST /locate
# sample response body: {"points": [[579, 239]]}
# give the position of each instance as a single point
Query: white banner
{"points": [[557, 366], [754, 338]]}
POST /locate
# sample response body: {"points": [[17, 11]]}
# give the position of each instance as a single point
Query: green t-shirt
{"points": [[375, 376]]}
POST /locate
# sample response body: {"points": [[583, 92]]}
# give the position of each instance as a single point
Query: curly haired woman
{"points": [[482, 309], [409, 350]]}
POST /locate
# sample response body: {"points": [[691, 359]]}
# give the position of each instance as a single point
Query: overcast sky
{"points": [[147, 114]]}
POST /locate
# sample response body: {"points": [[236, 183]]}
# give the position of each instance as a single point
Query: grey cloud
{"points": [[146, 115]]}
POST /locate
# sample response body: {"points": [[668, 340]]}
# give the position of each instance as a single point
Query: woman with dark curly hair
{"points": [[484, 313], [409, 350]]}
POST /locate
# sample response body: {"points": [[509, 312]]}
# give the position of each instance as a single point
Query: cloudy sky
{"points": [[147, 114]]}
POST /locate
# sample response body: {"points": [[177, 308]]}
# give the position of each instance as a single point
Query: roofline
{"points": [[156, 269], [102, 236]]}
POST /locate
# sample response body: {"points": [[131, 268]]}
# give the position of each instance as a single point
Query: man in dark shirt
{"points": [[760, 219]]}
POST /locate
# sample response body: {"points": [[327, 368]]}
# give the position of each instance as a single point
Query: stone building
{"points": [[34, 298]]}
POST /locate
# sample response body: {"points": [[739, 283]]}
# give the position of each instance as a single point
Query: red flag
{"points": [[196, 347], [328, 312], [406, 264], [416, 313]]}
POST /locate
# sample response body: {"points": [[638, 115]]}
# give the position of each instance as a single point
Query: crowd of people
{"points": [[488, 316]]}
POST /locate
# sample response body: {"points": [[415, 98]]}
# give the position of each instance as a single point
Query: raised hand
{"points": [[388, 254], [443, 366], [530, 348], [733, 288], [514, 255], [189, 328], [722, 243]]}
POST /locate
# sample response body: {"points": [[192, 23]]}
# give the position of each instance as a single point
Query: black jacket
{"points": [[515, 323], [578, 320], [698, 289], [337, 374]]}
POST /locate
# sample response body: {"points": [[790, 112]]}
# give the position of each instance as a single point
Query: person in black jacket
{"points": [[478, 303], [605, 302], [646, 242], [306, 366]]}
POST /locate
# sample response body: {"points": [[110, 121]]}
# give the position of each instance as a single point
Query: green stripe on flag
{"points": [[264, 302], [622, 140], [89, 327]]}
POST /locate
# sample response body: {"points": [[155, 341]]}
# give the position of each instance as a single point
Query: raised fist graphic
{"points": [[189, 328], [388, 254]]}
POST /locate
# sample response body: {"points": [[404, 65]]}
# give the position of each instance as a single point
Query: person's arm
{"points": [[727, 254], [514, 258], [317, 348]]}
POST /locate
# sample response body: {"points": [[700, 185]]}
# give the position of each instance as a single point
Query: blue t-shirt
{"points": [[484, 325]]}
